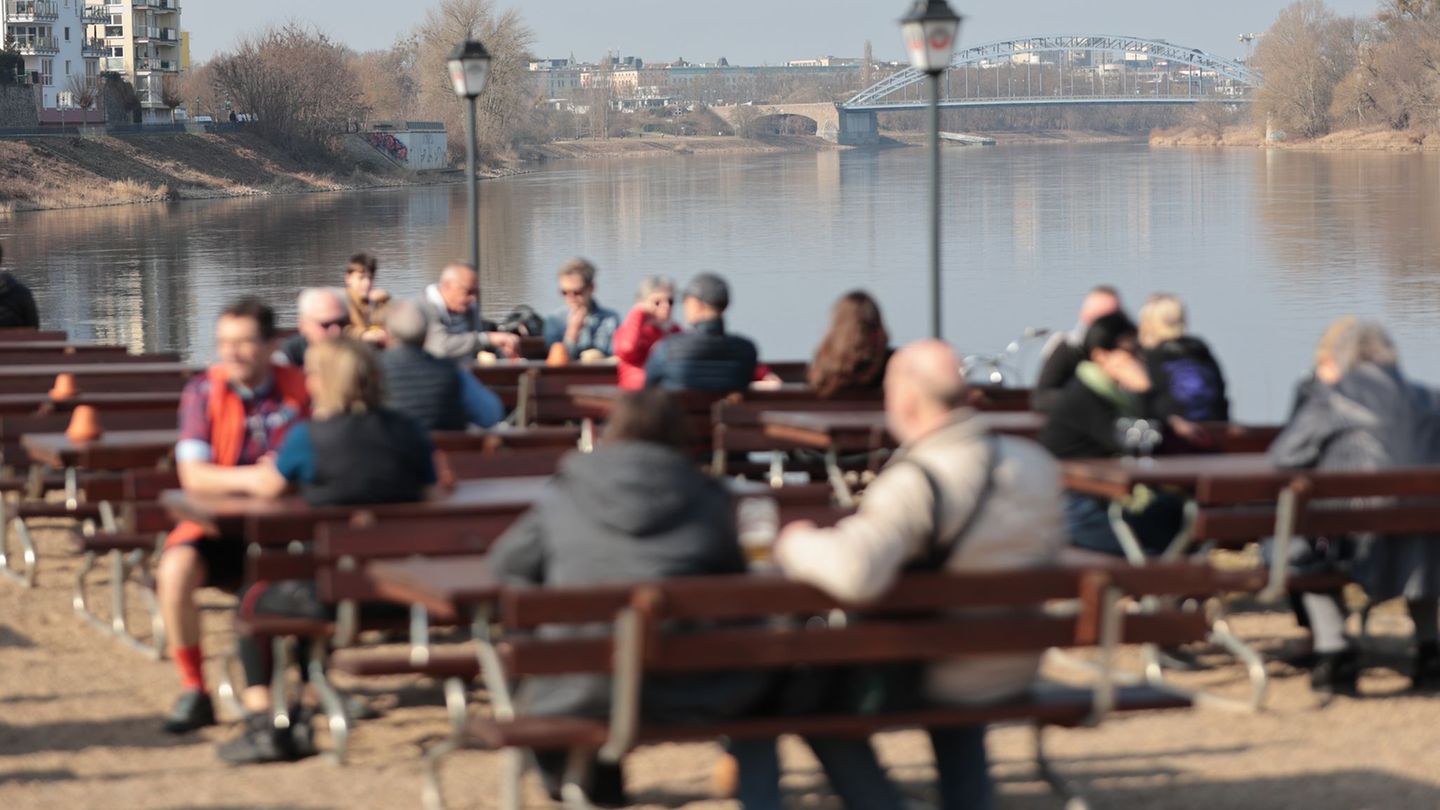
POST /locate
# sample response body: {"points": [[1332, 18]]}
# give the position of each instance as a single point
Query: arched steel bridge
{"points": [[1075, 76]]}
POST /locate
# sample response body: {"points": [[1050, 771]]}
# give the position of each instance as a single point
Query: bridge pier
{"points": [[858, 128]]}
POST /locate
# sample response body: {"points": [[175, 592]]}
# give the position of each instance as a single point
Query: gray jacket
{"points": [[628, 512], [1020, 525], [1373, 419], [453, 336]]}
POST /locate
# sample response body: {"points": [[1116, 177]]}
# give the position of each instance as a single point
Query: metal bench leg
{"points": [[1222, 635], [777, 469], [844, 498], [1058, 783], [331, 701], [26, 576], [432, 795], [577, 774], [226, 690], [279, 688], [72, 488], [118, 575], [79, 600], [512, 778]]}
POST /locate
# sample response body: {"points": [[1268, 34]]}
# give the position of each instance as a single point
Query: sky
{"points": [[752, 32]]}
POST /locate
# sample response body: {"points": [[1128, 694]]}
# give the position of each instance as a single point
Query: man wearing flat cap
{"points": [[704, 358]]}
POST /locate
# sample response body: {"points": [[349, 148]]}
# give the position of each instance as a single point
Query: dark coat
{"points": [[1373, 419], [1081, 424], [1186, 381], [704, 359], [17, 305], [1055, 373], [628, 512]]}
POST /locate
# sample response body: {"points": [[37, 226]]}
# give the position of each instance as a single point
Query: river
{"points": [[1265, 246]]}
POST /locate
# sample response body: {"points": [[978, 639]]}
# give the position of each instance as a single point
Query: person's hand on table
{"points": [[507, 343], [1196, 435]]}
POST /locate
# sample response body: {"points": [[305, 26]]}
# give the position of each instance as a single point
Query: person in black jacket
{"points": [[705, 358], [1186, 381], [636, 509], [1101, 414], [439, 394], [1066, 350], [17, 305], [354, 451]]}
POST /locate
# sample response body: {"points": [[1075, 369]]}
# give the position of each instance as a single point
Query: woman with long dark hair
{"points": [[853, 355]]}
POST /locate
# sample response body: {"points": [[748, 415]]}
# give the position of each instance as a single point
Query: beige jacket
{"points": [[1021, 525]]}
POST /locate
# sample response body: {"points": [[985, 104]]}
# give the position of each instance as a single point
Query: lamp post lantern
{"points": [[469, 67], [930, 31]]}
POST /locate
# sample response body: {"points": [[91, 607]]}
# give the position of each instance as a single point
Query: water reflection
{"points": [[1265, 246]]}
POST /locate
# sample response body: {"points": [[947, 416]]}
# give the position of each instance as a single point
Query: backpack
{"points": [[523, 320]]}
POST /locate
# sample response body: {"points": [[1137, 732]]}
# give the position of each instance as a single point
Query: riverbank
{"points": [[1358, 140], [61, 172], [1038, 137], [670, 145]]}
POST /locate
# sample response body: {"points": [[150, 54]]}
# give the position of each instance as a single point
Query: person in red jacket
{"points": [[647, 324]]}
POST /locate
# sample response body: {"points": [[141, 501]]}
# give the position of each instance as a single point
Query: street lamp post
{"points": [[930, 31], [469, 69]]}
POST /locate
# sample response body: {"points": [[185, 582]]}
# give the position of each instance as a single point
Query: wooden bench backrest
{"points": [[472, 465], [19, 334], [102, 383], [11, 357], [911, 624], [12, 428], [430, 537], [1243, 509]]}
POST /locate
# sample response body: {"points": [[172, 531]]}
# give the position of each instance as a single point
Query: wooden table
{"points": [[1116, 478], [12, 404], [23, 335], [107, 377], [448, 588], [59, 347], [269, 521], [866, 431], [113, 451]]}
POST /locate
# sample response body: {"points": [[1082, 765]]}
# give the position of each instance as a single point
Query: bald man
{"points": [[321, 315], [954, 497], [1065, 350], [457, 330]]}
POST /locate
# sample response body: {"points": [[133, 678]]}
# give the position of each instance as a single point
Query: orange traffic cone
{"points": [[558, 356], [84, 424], [64, 388]]}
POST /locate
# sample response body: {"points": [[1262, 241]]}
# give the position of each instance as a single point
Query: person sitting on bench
{"points": [[354, 451], [1365, 415], [636, 509], [231, 416], [953, 497]]}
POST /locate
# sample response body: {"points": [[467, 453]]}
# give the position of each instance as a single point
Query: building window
{"points": [[67, 33], [67, 67], [47, 72]]}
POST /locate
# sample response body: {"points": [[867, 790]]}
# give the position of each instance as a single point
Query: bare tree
{"points": [[1304, 56], [171, 93], [508, 95], [84, 90], [387, 80], [295, 81]]}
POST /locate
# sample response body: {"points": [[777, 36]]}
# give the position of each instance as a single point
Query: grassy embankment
{"points": [[1378, 140], [61, 172]]}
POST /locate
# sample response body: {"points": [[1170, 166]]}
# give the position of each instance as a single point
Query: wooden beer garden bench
{"points": [[99, 377], [39, 404], [73, 355], [759, 623], [20, 334]]}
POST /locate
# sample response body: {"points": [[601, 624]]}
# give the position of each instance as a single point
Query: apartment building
{"points": [[142, 40], [52, 36]]}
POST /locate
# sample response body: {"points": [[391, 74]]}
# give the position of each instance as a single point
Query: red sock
{"points": [[191, 664]]}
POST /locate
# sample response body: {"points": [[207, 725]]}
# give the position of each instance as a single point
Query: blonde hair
{"points": [[344, 377], [1161, 319], [1349, 341]]}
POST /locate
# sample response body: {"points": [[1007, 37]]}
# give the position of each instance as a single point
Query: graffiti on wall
{"points": [[390, 145], [427, 150]]}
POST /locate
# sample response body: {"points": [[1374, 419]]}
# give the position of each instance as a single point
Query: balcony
{"points": [[94, 15], [146, 64], [164, 36], [93, 49], [19, 11], [113, 64], [157, 5], [36, 46]]}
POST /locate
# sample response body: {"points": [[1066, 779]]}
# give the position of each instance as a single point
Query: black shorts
{"points": [[224, 560]]}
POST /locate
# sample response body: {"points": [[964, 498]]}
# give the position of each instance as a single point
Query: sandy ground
{"points": [[79, 717], [1362, 140]]}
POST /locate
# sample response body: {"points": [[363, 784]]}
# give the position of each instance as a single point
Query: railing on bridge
{"points": [[1070, 70]]}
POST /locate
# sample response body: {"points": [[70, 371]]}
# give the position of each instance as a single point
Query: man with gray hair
{"points": [[321, 315], [1362, 414], [457, 329], [954, 497], [439, 394]]}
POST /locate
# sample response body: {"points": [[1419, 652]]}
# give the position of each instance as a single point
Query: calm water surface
{"points": [[1265, 246]]}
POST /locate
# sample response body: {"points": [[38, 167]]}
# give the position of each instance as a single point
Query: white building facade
{"points": [[52, 36]]}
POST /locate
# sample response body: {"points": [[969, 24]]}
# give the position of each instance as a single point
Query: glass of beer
{"points": [[759, 523]]}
